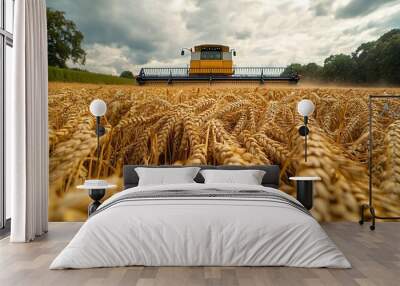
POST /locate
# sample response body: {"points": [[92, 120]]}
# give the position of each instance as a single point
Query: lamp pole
{"points": [[305, 137], [98, 137]]}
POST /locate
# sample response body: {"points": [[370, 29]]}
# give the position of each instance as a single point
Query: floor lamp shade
{"points": [[305, 107], [98, 107]]}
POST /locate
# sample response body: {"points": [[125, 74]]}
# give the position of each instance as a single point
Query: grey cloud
{"points": [[243, 35], [321, 7], [224, 21], [392, 21], [207, 22], [378, 27], [356, 8]]}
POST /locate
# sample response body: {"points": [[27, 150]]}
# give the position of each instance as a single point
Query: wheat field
{"points": [[226, 125]]}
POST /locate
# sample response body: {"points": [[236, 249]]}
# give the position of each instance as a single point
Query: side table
{"points": [[96, 193], [305, 190]]}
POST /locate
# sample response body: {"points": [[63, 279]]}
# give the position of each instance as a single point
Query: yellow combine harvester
{"points": [[214, 63], [211, 59]]}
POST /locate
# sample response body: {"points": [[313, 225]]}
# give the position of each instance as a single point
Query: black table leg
{"points": [[96, 195], [305, 193]]}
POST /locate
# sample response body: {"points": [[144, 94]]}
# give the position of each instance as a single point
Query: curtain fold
{"points": [[27, 124]]}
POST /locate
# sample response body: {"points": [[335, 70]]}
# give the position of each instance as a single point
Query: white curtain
{"points": [[26, 124]]}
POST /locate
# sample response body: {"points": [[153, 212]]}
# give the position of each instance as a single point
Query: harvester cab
{"points": [[214, 63]]}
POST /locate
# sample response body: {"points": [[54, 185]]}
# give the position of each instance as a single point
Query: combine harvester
{"points": [[213, 63]]}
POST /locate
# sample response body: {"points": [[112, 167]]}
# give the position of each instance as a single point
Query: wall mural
{"points": [[241, 124]]}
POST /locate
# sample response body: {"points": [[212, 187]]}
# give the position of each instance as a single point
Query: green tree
{"points": [[366, 69], [339, 68], [379, 61], [310, 71], [390, 64], [292, 68], [64, 40], [127, 74]]}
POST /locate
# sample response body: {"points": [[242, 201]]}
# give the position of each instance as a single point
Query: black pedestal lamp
{"points": [[305, 107], [305, 184], [98, 108]]}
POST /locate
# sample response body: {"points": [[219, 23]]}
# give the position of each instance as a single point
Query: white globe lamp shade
{"points": [[98, 107], [305, 107]]}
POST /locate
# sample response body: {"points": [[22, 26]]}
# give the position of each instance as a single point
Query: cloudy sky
{"points": [[127, 34]]}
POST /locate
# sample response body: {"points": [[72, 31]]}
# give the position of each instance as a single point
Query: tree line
{"points": [[376, 62]]}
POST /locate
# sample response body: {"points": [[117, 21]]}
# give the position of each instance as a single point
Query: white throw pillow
{"points": [[166, 176], [248, 177]]}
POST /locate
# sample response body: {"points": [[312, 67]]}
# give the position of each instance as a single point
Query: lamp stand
{"points": [[97, 194], [98, 137], [303, 131], [305, 138], [100, 131]]}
